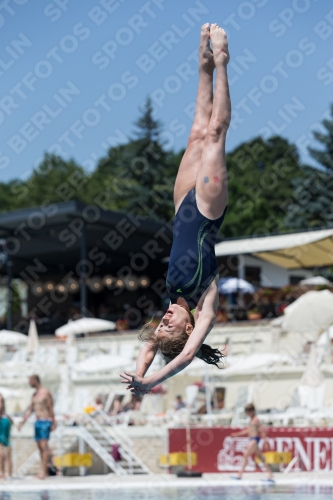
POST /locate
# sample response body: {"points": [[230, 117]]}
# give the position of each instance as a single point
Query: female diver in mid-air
{"points": [[200, 197]]}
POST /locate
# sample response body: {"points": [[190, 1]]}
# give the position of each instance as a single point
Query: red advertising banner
{"points": [[217, 451]]}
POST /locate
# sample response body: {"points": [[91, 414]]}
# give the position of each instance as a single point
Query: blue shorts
{"points": [[5, 425], [42, 429], [257, 439]]}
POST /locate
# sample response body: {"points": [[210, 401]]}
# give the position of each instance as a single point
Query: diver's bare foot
{"points": [[206, 60], [219, 41]]}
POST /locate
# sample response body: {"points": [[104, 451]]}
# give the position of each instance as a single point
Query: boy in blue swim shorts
{"points": [[254, 430]]}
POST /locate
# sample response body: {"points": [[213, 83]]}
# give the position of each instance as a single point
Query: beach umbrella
{"points": [[101, 363], [8, 337], [311, 312], [85, 325], [316, 280], [33, 341], [233, 285]]}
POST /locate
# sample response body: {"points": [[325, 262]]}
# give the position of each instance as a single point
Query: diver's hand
{"points": [[137, 385], [137, 392]]}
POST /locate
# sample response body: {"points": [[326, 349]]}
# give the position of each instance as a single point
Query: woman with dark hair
{"points": [[200, 197]]}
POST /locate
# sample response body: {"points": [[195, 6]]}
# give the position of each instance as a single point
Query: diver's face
{"points": [[175, 321]]}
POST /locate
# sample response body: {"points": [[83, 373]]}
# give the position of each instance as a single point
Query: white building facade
{"points": [[271, 275]]}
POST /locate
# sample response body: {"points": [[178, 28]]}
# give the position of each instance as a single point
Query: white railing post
{"points": [[82, 449], [60, 447]]}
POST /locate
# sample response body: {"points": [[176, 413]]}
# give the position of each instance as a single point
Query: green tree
{"points": [[54, 180], [260, 176], [312, 200], [266, 181], [138, 175], [6, 198], [324, 156]]}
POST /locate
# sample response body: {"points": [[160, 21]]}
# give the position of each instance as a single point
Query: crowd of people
{"points": [[118, 406]]}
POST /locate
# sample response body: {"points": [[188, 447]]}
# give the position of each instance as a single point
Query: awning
{"points": [[291, 251], [52, 235]]}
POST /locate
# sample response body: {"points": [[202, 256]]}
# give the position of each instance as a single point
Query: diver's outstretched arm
{"points": [[145, 358]]}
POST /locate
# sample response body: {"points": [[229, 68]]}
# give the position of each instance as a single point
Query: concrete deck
{"points": [[309, 482]]}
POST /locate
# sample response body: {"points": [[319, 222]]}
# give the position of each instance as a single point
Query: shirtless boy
{"points": [[254, 431], [42, 406]]}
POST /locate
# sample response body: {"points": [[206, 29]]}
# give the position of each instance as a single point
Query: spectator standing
{"points": [[179, 403], [42, 406], [5, 447]]}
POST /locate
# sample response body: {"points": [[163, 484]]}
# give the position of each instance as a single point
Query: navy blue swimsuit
{"points": [[192, 264]]}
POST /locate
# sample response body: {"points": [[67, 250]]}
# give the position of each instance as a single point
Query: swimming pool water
{"points": [[151, 493]]}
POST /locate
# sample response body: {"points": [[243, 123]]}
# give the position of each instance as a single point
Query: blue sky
{"points": [[74, 74]]}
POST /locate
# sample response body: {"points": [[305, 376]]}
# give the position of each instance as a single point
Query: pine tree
{"points": [[324, 157], [138, 175], [148, 129], [312, 201]]}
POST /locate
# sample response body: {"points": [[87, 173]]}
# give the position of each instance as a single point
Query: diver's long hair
{"points": [[170, 348]]}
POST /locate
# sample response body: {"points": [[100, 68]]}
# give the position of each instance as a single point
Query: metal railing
{"points": [[124, 449]]}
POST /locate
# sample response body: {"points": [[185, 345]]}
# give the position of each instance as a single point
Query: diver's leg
{"points": [[212, 181], [191, 162]]}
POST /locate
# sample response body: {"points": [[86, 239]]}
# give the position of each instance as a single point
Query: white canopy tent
{"points": [[316, 280], [311, 312], [8, 337], [291, 251], [85, 325]]}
